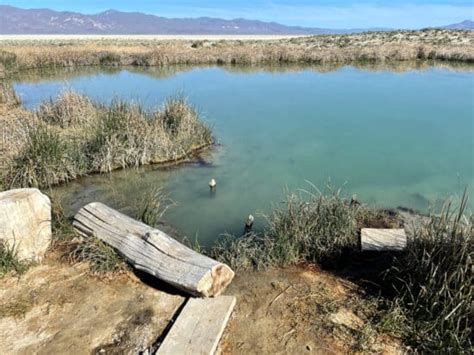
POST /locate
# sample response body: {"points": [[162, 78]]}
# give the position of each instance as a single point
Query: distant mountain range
{"points": [[14, 20], [465, 25]]}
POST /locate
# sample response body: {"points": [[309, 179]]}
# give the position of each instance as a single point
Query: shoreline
{"points": [[373, 47]]}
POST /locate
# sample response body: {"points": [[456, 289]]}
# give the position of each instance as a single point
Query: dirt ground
{"points": [[56, 308], [300, 310]]}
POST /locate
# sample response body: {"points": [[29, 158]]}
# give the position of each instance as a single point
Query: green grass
{"points": [[310, 227], [152, 206], [9, 261]]}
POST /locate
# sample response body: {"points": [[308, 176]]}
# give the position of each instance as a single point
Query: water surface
{"points": [[396, 138]]}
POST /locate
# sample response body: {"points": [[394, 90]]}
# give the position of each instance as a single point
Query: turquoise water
{"points": [[395, 138]]}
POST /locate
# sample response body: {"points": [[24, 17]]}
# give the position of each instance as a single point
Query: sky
{"points": [[316, 13]]}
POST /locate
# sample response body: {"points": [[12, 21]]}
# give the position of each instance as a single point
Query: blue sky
{"points": [[323, 13]]}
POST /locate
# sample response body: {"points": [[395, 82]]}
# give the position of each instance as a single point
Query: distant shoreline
{"points": [[20, 52], [162, 37]]}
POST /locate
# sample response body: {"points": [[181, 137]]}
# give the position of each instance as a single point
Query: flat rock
{"points": [[60, 309], [25, 222]]}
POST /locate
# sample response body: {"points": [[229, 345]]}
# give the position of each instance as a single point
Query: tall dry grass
{"points": [[71, 136], [447, 45], [8, 96], [434, 283]]}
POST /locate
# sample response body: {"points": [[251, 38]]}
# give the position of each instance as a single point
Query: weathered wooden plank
{"points": [[382, 239], [199, 327], [153, 251]]}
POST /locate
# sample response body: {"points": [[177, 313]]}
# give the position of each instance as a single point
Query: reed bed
{"points": [[433, 44], [72, 135]]}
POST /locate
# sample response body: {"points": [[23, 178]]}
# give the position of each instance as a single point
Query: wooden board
{"points": [[199, 327], [374, 239], [153, 251]]}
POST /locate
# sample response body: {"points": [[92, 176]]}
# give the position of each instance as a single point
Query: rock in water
{"points": [[212, 184], [25, 222]]}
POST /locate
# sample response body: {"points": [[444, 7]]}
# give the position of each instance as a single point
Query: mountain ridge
{"points": [[14, 20]]}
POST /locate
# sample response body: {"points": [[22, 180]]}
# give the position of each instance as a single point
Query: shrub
{"points": [[8, 60], [109, 58], [152, 205]]}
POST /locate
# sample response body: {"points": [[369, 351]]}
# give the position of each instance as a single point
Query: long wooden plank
{"points": [[375, 239], [199, 327]]}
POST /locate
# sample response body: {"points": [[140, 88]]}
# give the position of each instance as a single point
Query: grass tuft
{"points": [[9, 261], [69, 109], [311, 227], [46, 159], [152, 206], [428, 289], [434, 282], [101, 257]]}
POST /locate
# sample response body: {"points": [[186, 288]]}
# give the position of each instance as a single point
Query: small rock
{"points": [[212, 183], [250, 220]]}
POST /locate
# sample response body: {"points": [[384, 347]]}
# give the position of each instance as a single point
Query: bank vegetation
{"points": [[424, 294], [369, 47], [72, 135]]}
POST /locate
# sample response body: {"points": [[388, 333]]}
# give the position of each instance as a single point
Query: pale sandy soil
{"points": [[59, 309], [56, 308]]}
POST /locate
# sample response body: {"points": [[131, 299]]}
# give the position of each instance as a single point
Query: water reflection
{"points": [[161, 72]]}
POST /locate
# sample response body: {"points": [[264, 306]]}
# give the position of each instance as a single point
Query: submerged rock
{"points": [[25, 223]]}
